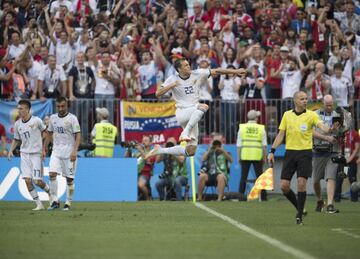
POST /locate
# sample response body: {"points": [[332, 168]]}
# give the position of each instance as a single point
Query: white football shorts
{"points": [[62, 166], [31, 166]]}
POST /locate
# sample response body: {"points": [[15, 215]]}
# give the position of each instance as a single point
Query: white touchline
{"points": [[343, 231], [290, 250]]}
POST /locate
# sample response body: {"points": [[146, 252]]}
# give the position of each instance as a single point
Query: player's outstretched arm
{"points": [[226, 71], [163, 90]]}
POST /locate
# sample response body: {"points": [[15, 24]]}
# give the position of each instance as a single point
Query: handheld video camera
{"points": [[130, 144]]}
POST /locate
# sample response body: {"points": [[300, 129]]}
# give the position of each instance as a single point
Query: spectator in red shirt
{"points": [[3, 149], [217, 16], [273, 84], [145, 167], [351, 150]]}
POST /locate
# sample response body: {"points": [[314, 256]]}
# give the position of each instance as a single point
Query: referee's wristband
{"points": [[272, 150]]}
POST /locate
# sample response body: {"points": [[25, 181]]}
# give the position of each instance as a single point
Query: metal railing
{"points": [[221, 117]]}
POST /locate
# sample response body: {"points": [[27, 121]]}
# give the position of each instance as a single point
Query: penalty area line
{"points": [[272, 241]]}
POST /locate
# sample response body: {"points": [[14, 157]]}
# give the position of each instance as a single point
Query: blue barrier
{"points": [[97, 179], [108, 179]]}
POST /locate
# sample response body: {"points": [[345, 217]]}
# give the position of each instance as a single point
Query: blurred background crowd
{"points": [[111, 50]]}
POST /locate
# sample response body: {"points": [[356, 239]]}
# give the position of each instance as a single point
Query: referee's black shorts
{"points": [[299, 161]]}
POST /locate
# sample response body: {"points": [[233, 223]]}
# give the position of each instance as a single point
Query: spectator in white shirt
{"points": [[107, 78], [16, 47], [341, 89], [229, 86], [52, 80]]}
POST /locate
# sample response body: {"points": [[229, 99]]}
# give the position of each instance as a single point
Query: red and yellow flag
{"points": [[264, 182]]}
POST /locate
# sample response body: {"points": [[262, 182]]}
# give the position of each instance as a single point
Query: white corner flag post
{"points": [[193, 185]]}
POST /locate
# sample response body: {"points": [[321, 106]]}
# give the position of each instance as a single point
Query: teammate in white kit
{"points": [[64, 129], [185, 87], [27, 131]]}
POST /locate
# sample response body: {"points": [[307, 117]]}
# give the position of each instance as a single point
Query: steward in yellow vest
{"points": [[251, 141], [251, 144], [104, 134]]}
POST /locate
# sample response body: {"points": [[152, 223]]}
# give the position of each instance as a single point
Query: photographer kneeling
{"points": [[174, 175], [214, 170], [325, 151]]}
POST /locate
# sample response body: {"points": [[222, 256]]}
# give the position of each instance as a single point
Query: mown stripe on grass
{"points": [[286, 248]]}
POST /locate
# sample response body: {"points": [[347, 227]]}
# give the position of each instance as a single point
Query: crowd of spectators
{"points": [[106, 49]]}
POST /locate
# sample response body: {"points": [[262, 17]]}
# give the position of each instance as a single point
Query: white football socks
{"points": [[176, 151], [69, 193], [53, 189]]}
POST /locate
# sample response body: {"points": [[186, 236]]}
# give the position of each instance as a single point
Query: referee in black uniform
{"points": [[297, 125]]}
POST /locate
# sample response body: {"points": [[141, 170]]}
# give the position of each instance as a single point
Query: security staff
{"points": [[104, 134], [325, 147], [251, 145], [297, 124]]}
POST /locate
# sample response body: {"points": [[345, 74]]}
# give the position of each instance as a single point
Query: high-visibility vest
{"points": [[105, 139], [251, 141]]}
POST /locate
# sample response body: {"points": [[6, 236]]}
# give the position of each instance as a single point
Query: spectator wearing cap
{"points": [[104, 134], [251, 145], [81, 81]]}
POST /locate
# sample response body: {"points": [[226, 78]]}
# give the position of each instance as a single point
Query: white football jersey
{"points": [[63, 129], [29, 133], [187, 93]]}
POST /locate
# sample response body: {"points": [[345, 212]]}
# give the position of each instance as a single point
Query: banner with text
{"points": [[156, 119], [9, 113]]}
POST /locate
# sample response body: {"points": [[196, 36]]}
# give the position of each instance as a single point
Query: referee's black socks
{"points": [[292, 198], [301, 202]]}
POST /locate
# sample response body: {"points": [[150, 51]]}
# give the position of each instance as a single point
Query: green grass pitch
{"points": [[175, 230]]}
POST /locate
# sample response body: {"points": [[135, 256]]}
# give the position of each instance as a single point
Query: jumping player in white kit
{"points": [[27, 131], [64, 129], [184, 87]]}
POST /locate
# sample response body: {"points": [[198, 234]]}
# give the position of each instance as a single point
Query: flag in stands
{"points": [[264, 182], [155, 119]]}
